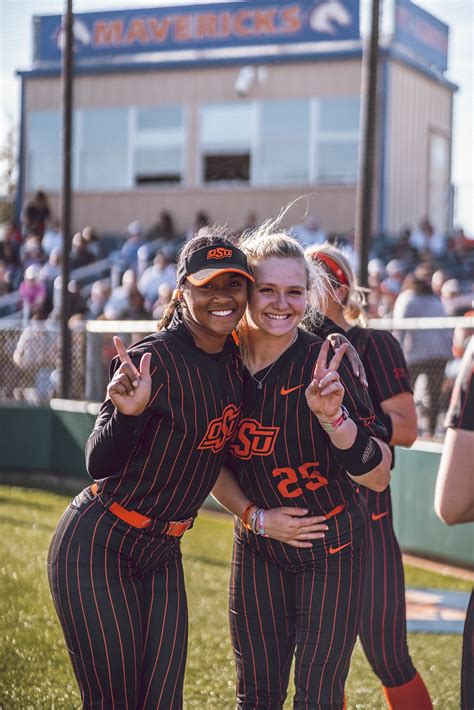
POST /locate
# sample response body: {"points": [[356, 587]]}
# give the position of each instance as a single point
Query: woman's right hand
{"points": [[130, 388], [290, 525]]}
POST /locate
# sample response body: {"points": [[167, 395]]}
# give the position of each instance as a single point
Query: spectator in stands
{"points": [[92, 240], [395, 271], [49, 272], [426, 241], [76, 301], [309, 232], [37, 354], [426, 351], [437, 281], [404, 250], [201, 220], [163, 228], [161, 271], [375, 303], [52, 239], [129, 251], [100, 294], [32, 292], [11, 233], [31, 252], [117, 305], [454, 300], [35, 214], [164, 297], [80, 254], [4, 285], [10, 258]]}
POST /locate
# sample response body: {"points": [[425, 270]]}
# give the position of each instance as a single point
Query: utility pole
{"points": [[368, 133], [66, 91]]}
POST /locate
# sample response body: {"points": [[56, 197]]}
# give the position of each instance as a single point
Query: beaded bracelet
{"points": [[333, 426], [261, 523], [253, 520]]}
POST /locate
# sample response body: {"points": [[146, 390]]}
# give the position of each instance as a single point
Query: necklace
{"points": [[260, 382]]}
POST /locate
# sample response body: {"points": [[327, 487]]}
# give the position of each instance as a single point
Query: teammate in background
{"points": [[454, 494], [383, 622], [156, 450], [294, 446]]}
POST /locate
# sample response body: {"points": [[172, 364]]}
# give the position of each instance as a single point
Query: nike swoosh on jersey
{"points": [[377, 516], [333, 550], [284, 391]]}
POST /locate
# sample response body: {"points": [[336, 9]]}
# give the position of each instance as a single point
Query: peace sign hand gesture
{"points": [[326, 392], [130, 389]]}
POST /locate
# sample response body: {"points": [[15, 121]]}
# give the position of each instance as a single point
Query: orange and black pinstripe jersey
{"points": [[384, 362], [164, 462], [461, 408], [281, 454]]}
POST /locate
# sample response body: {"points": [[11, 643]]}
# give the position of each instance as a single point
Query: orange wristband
{"points": [[244, 515]]}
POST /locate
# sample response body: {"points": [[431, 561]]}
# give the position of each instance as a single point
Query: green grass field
{"points": [[34, 667]]}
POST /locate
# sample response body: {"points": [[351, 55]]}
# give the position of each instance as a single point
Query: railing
{"points": [[30, 360]]}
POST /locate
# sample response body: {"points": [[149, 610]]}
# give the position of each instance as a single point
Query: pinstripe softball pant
{"points": [[120, 596], [383, 627], [310, 610]]}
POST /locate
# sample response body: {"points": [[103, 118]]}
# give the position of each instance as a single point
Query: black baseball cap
{"points": [[206, 263]]}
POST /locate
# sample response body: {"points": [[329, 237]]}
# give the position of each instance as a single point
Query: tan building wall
{"points": [[112, 211], [418, 108]]}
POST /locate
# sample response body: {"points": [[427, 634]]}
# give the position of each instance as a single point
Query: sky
{"points": [[16, 53]]}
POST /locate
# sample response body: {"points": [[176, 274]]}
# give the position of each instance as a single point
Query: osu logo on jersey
{"points": [[254, 439], [219, 253], [221, 429]]}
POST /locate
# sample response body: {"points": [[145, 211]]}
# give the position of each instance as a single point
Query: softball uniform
{"points": [[285, 600], [115, 563]]}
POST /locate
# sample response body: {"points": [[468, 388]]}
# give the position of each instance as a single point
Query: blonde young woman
{"points": [[305, 440], [383, 623]]}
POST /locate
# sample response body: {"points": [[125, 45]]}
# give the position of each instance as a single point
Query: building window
{"points": [[284, 143], [44, 151], [226, 142], [337, 139], [103, 153], [158, 145]]}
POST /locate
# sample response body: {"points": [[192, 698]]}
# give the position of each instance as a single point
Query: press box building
{"points": [[239, 106]]}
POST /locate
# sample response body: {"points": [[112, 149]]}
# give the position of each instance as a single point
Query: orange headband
{"points": [[333, 266]]}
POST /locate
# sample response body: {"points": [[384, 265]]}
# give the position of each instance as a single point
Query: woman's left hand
{"points": [[326, 392], [293, 526], [336, 340]]}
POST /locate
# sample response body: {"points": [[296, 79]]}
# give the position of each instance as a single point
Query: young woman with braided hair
{"points": [[156, 450], [304, 439], [382, 629]]}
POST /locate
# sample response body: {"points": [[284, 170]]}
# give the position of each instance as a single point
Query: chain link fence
{"points": [[30, 361]]}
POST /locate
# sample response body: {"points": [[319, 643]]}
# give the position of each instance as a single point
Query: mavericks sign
{"points": [[117, 33]]}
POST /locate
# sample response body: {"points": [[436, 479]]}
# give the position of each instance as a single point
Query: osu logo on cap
{"points": [[219, 253], [254, 439], [221, 429]]}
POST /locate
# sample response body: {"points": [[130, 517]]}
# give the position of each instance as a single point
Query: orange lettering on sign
{"points": [[224, 24], [158, 31], [106, 33], [206, 25], [183, 30], [290, 19], [240, 26], [136, 32], [219, 253], [264, 22]]}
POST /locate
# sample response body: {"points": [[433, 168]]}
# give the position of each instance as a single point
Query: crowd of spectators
{"points": [[418, 274]]}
